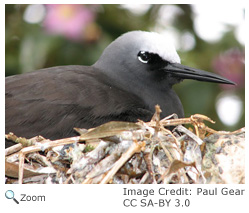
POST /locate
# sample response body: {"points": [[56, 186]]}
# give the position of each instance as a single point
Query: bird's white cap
{"points": [[152, 42]]}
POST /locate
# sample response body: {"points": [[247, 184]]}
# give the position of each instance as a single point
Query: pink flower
{"points": [[231, 65], [69, 20]]}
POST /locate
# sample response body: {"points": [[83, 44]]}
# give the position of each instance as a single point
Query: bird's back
{"points": [[51, 102]]}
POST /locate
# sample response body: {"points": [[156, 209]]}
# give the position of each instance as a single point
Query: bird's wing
{"points": [[50, 102]]}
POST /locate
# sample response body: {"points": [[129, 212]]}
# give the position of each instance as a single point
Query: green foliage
{"points": [[88, 148]]}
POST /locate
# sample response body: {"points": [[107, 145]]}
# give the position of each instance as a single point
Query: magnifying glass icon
{"points": [[10, 195]]}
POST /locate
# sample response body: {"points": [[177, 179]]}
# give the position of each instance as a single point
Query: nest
{"points": [[131, 153]]}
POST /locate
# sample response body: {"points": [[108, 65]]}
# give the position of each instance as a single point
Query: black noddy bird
{"points": [[134, 73]]}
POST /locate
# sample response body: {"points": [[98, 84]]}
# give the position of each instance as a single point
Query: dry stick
{"points": [[21, 167], [41, 159], [149, 158], [144, 178], [149, 164], [167, 153], [12, 149], [181, 128], [242, 130], [41, 146], [195, 119], [170, 133], [68, 179], [192, 119], [134, 148], [160, 125], [174, 150]]}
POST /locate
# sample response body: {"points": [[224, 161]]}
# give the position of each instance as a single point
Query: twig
{"points": [[12, 149], [41, 147], [239, 131], [135, 147], [181, 128]]}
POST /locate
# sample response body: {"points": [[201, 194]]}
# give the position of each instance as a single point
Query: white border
{"points": [[66, 198]]}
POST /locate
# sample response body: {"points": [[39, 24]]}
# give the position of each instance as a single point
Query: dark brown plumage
{"points": [[134, 73], [51, 102]]}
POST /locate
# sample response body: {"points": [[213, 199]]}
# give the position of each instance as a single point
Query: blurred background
{"points": [[212, 39]]}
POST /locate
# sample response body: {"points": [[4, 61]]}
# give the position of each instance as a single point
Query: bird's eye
{"points": [[144, 57]]}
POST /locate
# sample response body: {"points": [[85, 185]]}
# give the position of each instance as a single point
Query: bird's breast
{"points": [[168, 101]]}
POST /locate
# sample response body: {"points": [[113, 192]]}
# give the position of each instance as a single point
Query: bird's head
{"points": [[151, 58]]}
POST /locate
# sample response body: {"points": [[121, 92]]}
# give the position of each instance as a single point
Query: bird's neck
{"points": [[152, 93]]}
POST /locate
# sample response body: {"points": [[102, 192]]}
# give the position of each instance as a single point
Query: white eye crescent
{"points": [[144, 57]]}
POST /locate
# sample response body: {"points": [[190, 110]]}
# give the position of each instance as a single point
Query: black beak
{"points": [[186, 72]]}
